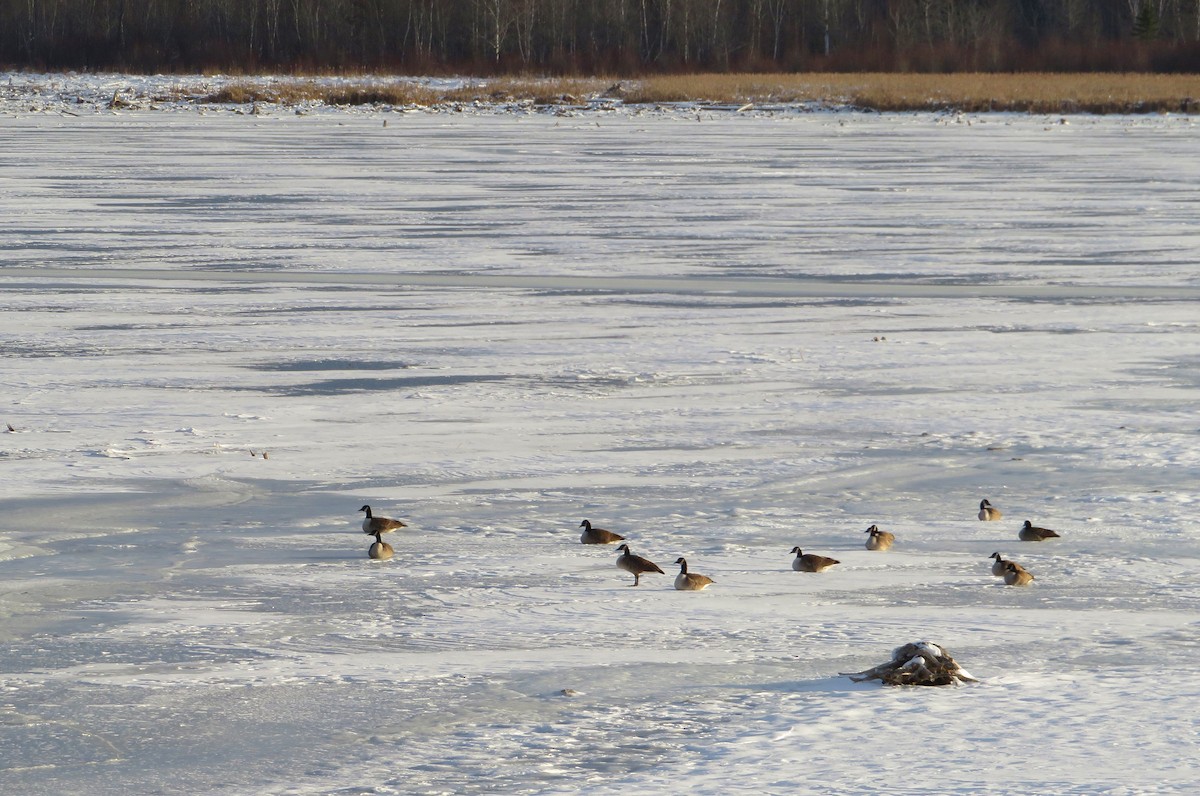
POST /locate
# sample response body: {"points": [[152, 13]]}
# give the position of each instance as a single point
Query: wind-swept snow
{"points": [[718, 337]]}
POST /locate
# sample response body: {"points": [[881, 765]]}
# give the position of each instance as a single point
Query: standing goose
{"points": [[689, 581], [1032, 533], [879, 540], [1014, 575], [380, 550], [377, 525], [1001, 564], [592, 535], [988, 512], [635, 565], [811, 562]]}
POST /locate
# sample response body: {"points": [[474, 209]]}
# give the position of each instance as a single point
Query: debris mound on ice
{"points": [[917, 663]]}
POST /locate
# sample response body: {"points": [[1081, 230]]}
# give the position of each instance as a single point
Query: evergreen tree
{"points": [[1145, 24]]}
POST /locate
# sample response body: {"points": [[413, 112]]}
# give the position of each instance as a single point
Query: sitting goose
{"points": [[1015, 575], [1032, 533], [380, 550], [811, 562], [879, 540], [988, 512], [1001, 564], [592, 535], [635, 565], [689, 581], [376, 525]]}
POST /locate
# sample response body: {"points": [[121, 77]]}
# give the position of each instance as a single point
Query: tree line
{"points": [[620, 37]]}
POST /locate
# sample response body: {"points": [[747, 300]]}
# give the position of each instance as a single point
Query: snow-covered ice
{"points": [[718, 335]]}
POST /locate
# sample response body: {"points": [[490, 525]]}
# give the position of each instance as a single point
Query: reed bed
{"points": [[967, 92], [975, 92], [350, 92]]}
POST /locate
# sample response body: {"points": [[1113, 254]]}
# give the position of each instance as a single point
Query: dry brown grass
{"points": [[289, 92], [1032, 92], [1025, 92], [377, 91]]}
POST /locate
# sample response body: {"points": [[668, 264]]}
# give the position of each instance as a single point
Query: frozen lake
{"points": [[721, 336]]}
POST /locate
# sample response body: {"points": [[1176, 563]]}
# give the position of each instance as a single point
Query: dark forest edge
{"points": [[624, 38]]}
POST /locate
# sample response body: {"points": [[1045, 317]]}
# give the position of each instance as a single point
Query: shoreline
{"points": [[73, 93]]}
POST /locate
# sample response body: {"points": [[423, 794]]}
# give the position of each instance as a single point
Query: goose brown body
{"points": [[380, 550], [592, 535], [374, 525], [1000, 564], [879, 540], [988, 512], [1014, 575], [811, 562], [1032, 533], [635, 565], [690, 581]]}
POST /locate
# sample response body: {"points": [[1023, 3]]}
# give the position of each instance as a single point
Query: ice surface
{"points": [[719, 337]]}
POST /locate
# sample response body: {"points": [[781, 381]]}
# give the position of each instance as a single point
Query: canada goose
{"points": [[879, 540], [374, 525], [1032, 533], [1000, 564], [380, 550], [689, 581], [1014, 575], [635, 565], [811, 562], [592, 535], [988, 512]]}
